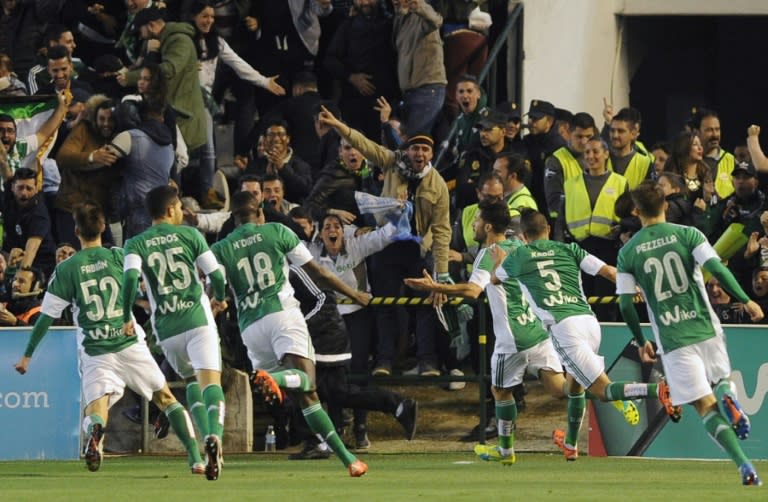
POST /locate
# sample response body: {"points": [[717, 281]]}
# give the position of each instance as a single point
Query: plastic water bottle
{"points": [[270, 441]]}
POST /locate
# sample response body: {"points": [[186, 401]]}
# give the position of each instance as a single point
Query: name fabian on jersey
{"points": [[241, 243], [93, 267], [656, 243]]}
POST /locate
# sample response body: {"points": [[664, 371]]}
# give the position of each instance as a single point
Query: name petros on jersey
{"points": [[656, 243], [241, 243], [162, 239], [93, 267]]}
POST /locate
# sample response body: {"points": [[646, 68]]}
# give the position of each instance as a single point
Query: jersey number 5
{"points": [[551, 276], [106, 286]]}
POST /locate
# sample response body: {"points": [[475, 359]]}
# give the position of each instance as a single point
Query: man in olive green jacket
{"points": [[171, 46]]}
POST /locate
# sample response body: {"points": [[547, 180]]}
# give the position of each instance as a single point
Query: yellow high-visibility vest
{"points": [[724, 175], [637, 169], [581, 219], [571, 166]]}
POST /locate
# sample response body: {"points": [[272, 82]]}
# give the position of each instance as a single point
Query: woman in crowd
{"points": [[211, 48], [686, 159]]}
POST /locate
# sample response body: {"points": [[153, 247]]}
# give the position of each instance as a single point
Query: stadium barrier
{"points": [[40, 411]]}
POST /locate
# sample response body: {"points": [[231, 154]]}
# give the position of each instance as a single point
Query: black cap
{"points": [[107, 63], [561, 114], [539, 109], [144, 16], [511, 109], [492, 118], [745, 168], [79, 95]]}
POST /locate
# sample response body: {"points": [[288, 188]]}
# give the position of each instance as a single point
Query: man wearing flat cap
{"points": [[407, 173], [478, 160], [541, 142]]}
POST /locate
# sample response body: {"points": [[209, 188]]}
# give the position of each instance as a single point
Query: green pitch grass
{"points": [[392, 477]]}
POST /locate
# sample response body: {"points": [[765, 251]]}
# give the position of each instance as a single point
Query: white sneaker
{"points": [[456, 385]]}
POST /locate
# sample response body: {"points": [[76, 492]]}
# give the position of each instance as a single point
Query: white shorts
{"points": [[109, 374], [273, 336], [193, 350], [691, 371], [577, 340], [508, 370]]}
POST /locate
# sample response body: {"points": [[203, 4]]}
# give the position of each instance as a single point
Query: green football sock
{"points": [[576, 405], [506, 414], [722, 432], [723, 388], [197, 407], [292, 379], [622, 391], [213, 396], [319, 423], [182, 426]]}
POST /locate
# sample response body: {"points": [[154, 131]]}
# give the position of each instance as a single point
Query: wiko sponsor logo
{"points": [[175, 305], [24, 400], [676, 316], [560, 299], [753, 403]]}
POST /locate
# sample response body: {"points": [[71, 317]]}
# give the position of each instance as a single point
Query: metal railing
{"points": [[490, 68]]}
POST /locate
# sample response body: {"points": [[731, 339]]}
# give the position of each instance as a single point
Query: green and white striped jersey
{"points": [[515, 325]]}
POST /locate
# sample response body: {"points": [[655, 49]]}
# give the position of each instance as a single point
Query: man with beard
{"points": [[28, 223], [720, 162], [627, 157], [84, 162], [478, 160], [20, 152], [408, 174], [471, 101], [24, 305]]}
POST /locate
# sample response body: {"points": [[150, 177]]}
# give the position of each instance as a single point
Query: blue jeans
{"points": [[421, 108], [207, 157]]}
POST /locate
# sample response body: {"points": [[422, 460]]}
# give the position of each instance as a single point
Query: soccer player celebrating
{"points": [[168, 255], [549, 273], [664, 260], [91, 281], [271, 323], [522, 343]]}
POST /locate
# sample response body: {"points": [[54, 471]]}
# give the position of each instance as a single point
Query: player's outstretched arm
{"points": [[323, 277], [729, 283], [130, 284], [608, 272], [38, 332], [427, 283]]}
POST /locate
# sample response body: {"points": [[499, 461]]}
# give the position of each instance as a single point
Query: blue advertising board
{"points": [[40, 411]]}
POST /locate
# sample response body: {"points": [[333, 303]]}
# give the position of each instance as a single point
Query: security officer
{"points": [[721, 163], [590, 215], [479, 160], [513, 128], [567, 162], [541, 142], [626, 157]]}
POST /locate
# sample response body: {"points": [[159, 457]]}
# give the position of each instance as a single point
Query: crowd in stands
{"points": [[330, 98]]}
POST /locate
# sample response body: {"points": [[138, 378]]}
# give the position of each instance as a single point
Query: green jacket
{"points": [[178, 64]]}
